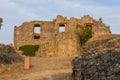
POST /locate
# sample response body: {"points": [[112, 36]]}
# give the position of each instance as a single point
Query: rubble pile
{"points": [[101, 65], [8, 55]]}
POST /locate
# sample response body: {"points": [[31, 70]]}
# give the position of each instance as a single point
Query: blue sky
{"points": [[15, 12]]}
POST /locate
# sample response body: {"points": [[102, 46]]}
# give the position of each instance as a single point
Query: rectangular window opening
{"points": [[36, 36], [36, 31], [37, 28], [61, 28]]}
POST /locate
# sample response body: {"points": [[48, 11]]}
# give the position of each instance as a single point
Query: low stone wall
{"points": [[102, 65]]}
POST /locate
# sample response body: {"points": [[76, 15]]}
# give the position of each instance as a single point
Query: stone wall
{"points": [[52, 41], [100, 65]]}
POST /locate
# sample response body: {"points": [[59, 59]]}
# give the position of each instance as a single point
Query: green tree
{"points": [[85, 33], [1, 20]]}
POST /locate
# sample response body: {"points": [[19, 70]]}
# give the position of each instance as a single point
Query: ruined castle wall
{"points": [[24, 34], [101, 31], [59, 42], [72, 25], [67, 44], [47, 47], [63, 44], [99, 28], [53, 42], [86, 19]]}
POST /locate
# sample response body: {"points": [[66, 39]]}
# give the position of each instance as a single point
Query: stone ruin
{"points": [[57, 37]]}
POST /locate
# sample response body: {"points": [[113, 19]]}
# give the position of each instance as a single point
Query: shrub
{"points": [[85, 33], [29, 50]]}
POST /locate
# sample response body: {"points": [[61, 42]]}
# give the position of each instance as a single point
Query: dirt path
{"points": [[63, 74], [58, 68]]}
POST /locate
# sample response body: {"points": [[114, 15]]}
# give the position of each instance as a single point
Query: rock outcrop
{"points": [[99, 59], [104, 65], [8, 55], [106, 42]]}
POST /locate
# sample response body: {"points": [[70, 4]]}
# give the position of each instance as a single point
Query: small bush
{"points": [[85, 33], [29, 50]]}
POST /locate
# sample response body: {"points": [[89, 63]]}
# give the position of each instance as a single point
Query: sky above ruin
{"points": [[15, 12]]}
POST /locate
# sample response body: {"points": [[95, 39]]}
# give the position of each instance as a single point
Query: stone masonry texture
{"points": [[101, 65], [52, 41]]}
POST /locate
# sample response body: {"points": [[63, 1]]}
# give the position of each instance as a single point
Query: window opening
{"points": [[36, 31], [37, 28], [61, 28]]}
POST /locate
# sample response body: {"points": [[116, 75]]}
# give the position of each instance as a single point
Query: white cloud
{"points": [[14, 12]]}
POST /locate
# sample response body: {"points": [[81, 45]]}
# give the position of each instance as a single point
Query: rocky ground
{"points": [[57, 68], [102, 65], [8, 55], [106, 42], [99, 59], [12, 66]]}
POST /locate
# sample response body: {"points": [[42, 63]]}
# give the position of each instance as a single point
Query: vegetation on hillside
{"points": [[1, 20], [85, 33], [29, 50]]}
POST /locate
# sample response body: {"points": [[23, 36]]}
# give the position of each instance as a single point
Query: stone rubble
{"points": [[101, 65], [8, 55]]}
